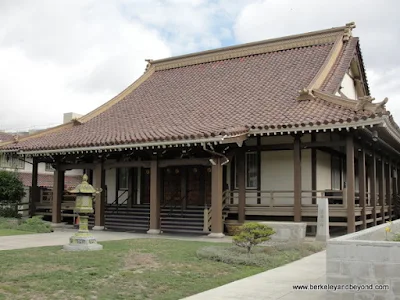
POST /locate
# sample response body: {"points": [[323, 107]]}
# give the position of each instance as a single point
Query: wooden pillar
{"points": [[184, 192], [35, 191], [362, 186], [217, 226], [131, 182], [155, 198], [388, 176], [394, 192], [297, 178], [381, 187], [258, 169], [202, 185], [58, 188], [99, 178], [241, 178], [314, 169], [372, 173], [350, 183]]}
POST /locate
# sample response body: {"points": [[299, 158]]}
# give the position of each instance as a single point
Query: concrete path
{"points": [[61, 237], [275, 284]]}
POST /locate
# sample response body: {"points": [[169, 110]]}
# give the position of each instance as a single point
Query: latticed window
{"points": [[251, 170], [10, 162]]}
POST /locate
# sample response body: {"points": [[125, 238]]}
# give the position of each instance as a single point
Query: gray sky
{"points": [[72, 56]]}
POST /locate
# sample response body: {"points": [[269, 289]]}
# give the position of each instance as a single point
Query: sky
{"points": [[74, 55]]}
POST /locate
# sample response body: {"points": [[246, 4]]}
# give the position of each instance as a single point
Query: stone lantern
{"points": [[83, 240]]}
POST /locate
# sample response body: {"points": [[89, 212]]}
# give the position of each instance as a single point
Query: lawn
{"points": [[5, 232], [131, 269]]}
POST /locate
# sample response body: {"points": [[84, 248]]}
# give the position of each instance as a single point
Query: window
{"points": [[336, 168], [251, 171], [123, 174], [48, 167], [10, 162]]}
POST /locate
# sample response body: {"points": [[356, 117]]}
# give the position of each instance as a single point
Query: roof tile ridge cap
{"points": [[150, 69], [331, 98], [271, 45], [332, 58]]}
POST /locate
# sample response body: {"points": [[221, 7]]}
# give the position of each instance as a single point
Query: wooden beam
{"points": [[350, 187], [126, 164], [314, 169], [217, 226], [297, 178], [372, 173], [362, 186], [130, 186], [35, 191], [58, 188], [184, 162], [155, 198], [241, 178], [381, 187], [389, 188], [99, 178], [65, 167]]}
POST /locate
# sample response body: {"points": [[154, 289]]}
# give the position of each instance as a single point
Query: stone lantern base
{"points": [[83, 240]]}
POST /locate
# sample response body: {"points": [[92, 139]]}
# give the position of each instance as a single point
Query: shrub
{"points": [[252, 234], [9, 211], [35, 224], [11, 188], [396, 237]]}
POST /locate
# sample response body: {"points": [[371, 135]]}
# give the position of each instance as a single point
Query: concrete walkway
{"points": [[275, 284], [61, 237]]}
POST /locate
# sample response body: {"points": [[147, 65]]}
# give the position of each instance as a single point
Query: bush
{"points": [[252, 234], [267, 257], [9, 211], [35, 224], [11, 188]]}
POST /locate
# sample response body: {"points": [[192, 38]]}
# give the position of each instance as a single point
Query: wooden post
{"points": [[395, 190], [372, 173], [35, 192], [155, 198], [297, 179], [184, 192], [58, 188], [314, 170], [240, 164], [362, 186], [131, 179], [381, 186], [217, 226], [388, 190], [350, 178], [99, 178]]}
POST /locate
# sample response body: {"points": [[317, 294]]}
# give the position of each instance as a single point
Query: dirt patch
{"points": [[140, 261]]}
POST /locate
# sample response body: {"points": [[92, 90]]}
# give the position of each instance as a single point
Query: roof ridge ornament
{"points": [[149, 61], [305, 94], [348, 31]]}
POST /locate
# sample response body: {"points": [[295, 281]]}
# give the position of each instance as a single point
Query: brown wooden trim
{"points": [[66, 167], [372, 193], [99, 175], [297, 178], [381, 187], [216, 197], [58, 188], [35, 191], [184, 162], [258, 169], [313, 169], [240, 164], [362, 186], [126, 164], [155, 195], [388, 175], [350, 183]]}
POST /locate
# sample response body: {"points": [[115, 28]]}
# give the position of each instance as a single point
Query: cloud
{"points": [[377, 26]]}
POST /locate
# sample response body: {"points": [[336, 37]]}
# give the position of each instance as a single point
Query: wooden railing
{"points": [[208, 211]]}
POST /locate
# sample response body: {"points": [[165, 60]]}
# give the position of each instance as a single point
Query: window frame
{"points": [[119, 172], [246, 171]]}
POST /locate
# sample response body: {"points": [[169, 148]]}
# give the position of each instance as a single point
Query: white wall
{"points": [[111, 183], [324, 173], [348, 87]]}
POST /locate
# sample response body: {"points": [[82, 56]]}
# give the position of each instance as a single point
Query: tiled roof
{"points": [[47, 180], [217, 98], [5, 137]]}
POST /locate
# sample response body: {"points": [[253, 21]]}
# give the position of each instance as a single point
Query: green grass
{"points": [[6, 232], [131, 269]]}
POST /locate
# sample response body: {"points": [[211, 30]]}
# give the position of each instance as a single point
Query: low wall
{"points": [[367, 261], [287, 231]]}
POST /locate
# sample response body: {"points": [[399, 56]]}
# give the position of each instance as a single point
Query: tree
{"points": [[252, 234], [11, 187]]}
